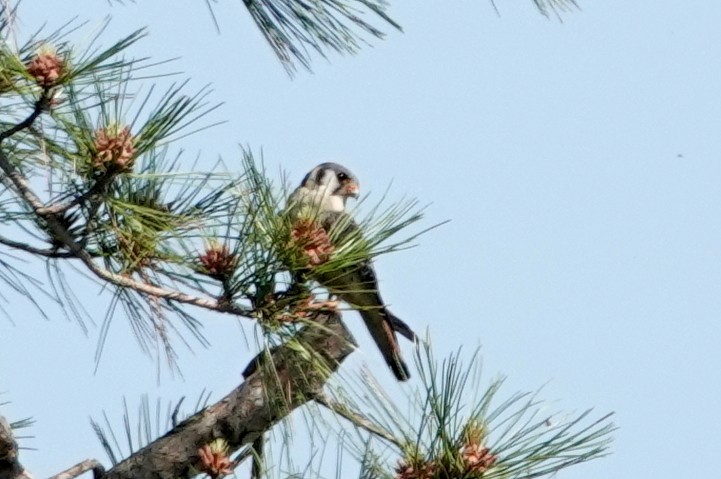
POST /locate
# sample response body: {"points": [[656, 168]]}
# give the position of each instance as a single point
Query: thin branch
{"points": [[59, 208], [176, 411], [256, 471], [81, 468], [48, 253], [356, 419], [39, 107], [21, 184]]}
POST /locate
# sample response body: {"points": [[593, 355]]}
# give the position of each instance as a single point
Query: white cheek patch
{"points": [[335, 204], [319, 199]]}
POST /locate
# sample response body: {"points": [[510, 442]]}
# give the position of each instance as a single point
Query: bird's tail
{"points": [[383, 326], [400, 327], [399, 368]]}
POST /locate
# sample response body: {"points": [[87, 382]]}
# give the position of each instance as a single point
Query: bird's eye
{"points": [[342, 176]]}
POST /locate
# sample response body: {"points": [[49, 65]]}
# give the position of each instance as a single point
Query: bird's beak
{"points": [[350, 188]]}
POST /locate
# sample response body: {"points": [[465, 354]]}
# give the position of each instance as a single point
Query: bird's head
{"points": [[332, 185]]}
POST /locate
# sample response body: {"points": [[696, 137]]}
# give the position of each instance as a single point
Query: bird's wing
{"points": [[358, 286]]}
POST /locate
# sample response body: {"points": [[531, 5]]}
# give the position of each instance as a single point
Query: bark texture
{"points": [[275, 385]]}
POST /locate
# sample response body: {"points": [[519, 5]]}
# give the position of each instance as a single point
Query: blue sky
{"points": [[578, 162]]}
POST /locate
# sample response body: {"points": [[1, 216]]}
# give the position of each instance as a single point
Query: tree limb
{"points": [[81, 468], [277, 383]]}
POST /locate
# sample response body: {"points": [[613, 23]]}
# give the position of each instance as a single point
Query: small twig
{"points": [[243, 455], [357, 419], [59, 208], [40, 105], [256, 470], [48, 253], [81, 468], [176, 411]]}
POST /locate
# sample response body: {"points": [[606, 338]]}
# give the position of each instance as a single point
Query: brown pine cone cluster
{"points": [[312, 240], [46, 68], [114, 150]]}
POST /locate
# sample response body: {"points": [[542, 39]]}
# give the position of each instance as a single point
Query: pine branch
{"points": [[459, 434], [20, 183], [59, 208], [277, 385], [82, 468], [293, 27], [357, 419], [546, 7], [47, 253], [40, 105]]}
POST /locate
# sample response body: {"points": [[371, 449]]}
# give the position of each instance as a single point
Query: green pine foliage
{"points": [[90, 175]]}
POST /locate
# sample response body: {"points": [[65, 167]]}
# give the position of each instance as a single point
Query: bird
{"points": [[323, 193]]}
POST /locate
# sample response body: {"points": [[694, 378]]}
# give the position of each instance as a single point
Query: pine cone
{"points": [[312, 240], [114, 150], [419, 470], [477, 458], [214, 459], [46, 67], [218, 262]]}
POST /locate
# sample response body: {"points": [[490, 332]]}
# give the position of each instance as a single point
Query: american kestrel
{"points": [[322, 195]]}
